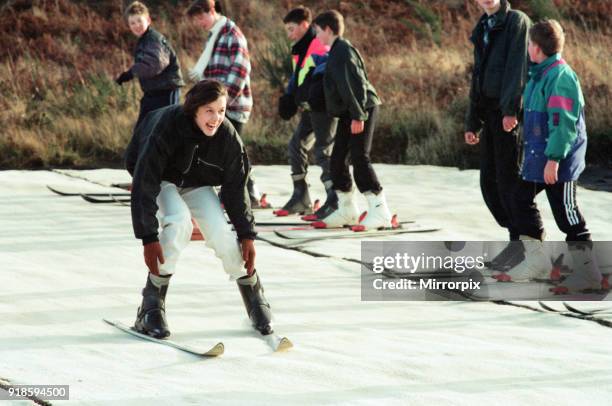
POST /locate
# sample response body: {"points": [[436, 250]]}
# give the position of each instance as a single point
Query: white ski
{"points": [[278, 343], [215, 351], [318, 234]]}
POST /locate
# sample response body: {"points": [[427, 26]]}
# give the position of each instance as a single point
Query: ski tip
{"points": [[284, 344], [215, 351]]}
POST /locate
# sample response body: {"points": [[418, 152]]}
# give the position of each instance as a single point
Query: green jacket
{"points": [[500, 68], [348, 93], [554, 126]]}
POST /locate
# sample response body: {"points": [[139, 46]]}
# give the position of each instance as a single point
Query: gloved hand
{"points": [[152, 253], [124, 77], [286, 106]]}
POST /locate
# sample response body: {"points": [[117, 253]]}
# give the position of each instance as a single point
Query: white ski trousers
{"points": [[176, 208]]}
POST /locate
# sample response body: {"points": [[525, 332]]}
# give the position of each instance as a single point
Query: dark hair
{"points": [[202, 7], [298, 15], [136, 8], [202, 93], [332, 19], [548, 35]]}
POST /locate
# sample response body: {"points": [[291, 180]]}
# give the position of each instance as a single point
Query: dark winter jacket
{"points": [[306, 55], [348, 93], [500, 68], [155, 63], [168, 146]]}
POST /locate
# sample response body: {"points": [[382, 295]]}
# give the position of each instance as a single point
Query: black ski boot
{"points": [[509, 257], [331, 202], [254, 194], [151, 317], [300, 199], [257, 306]]}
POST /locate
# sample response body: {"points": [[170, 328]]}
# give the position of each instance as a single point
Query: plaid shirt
{"points": [[230, 65]]}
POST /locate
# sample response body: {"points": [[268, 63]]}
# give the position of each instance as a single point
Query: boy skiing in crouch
{"points": [[183, 152]]}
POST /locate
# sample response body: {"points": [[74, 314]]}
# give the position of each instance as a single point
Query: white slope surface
{"points": [[67, 263]]}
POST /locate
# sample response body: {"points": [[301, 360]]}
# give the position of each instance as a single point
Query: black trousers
{"points": [[156, 100], [562, 199], [500, 153], [314, 129], [359, 146]]}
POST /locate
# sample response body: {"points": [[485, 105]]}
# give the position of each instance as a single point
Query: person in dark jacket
{"points": [[315, 128], [177, 156], [155, 63], [351, 97], [498, 79]]}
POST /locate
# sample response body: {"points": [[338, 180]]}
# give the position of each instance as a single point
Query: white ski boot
{"points": [[378, 215], [536, 264], [585, 272], [346, 214]]}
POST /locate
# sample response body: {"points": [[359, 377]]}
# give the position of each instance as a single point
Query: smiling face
{"points": [[489, 6], [139, 23], [209, 117]]}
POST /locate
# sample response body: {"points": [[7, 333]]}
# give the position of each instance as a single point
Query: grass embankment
{"points": [[60, 106]]}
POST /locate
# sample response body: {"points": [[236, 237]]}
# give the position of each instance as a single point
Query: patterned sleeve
{"points": [[240, 65]]}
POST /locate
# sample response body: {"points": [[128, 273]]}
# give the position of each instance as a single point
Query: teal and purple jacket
{"points": [[554, 124]]}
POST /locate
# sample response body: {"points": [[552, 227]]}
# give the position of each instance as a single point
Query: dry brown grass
{"points": [[59, 106]]}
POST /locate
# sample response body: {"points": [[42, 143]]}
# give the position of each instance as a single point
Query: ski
{"points": [[323, 234], [105, 198], [65, 193], [592, 312], [548, 308], [276, 342], [215, 351], [126, 186]]}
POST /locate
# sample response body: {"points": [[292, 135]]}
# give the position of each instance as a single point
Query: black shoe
{"points": [[151, 317], [300, 199], [330, 205], [257, 307]]}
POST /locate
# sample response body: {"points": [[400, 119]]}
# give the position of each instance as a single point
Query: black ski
{"points": [[548, 308], [592, 312], [105, 198], [64, 193], [215, 351]]}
